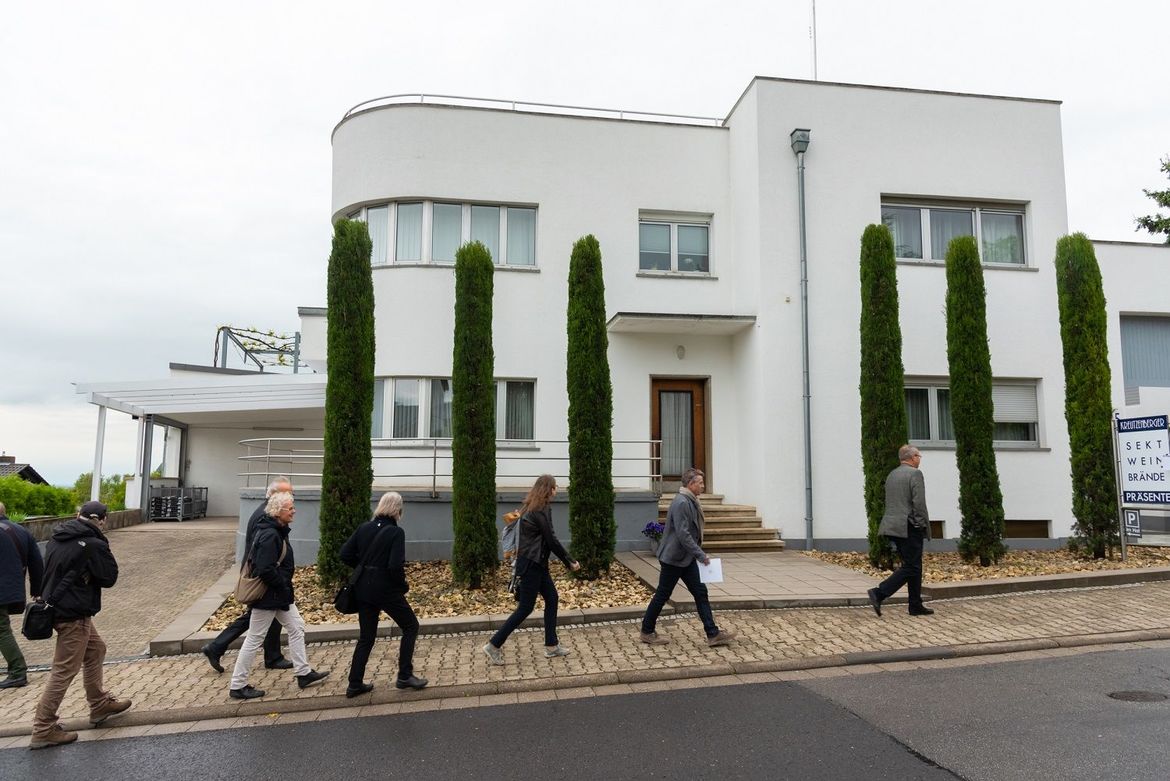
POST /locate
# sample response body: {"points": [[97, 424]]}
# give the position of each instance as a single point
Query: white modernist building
{"points": [[700, 228]]}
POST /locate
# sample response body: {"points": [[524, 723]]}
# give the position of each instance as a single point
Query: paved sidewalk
{"points": [[180, 688]]}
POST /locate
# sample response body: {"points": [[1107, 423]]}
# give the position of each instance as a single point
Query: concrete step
{"points": [[720, 523], [737, 533], [742, 546]]}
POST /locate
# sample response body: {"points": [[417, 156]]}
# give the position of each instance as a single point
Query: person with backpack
{"points": [[18, 556], [378, 546], [534, 543]]}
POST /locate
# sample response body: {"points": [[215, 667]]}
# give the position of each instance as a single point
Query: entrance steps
{"points": [[729, 528]]}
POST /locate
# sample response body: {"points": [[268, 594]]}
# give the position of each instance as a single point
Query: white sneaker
{"points": [[494, 655], [556, 650]]}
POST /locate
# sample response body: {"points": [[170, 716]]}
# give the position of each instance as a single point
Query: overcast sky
{"points": [[165, 169]]}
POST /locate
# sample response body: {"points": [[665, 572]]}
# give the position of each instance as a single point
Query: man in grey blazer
{"points": [[679, 554], [907, 524]]}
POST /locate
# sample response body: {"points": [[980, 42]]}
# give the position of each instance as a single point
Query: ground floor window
{"points": [[420, 408], [1016, 413]]}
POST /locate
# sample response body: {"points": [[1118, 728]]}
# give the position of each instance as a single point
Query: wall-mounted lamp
{"points": [[681, 352]]}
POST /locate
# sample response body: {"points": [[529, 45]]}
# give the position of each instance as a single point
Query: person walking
{"points": [[273, 658], [19, 557], [536, 541], [272, 562], [78, 565], [906, 523], [379, 546], [679, 554]]}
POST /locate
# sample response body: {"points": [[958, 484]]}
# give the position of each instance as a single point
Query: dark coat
{"points": [[385, 573], [271, 538], [538, 540], [250, 529], [78, 565], [18, 553]]}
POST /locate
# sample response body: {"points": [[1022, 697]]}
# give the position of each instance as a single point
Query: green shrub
{"points": [[23, 498], [112, 492], [347, 473], [591, 521]]}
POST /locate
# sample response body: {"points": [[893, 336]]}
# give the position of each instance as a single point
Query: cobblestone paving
{"points": [[765, 635]]}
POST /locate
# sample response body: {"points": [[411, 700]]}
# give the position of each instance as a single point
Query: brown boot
{"points": [[57, 737], [109, 707]]}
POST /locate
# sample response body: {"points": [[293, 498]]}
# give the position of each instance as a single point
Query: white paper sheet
{"points": [[711, 573]]}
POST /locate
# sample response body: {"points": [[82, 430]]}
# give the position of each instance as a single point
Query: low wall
{"points": [[427, 520], [42, 528]]}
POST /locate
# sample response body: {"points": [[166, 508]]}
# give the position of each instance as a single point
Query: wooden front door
{"points": [[678, 415]]}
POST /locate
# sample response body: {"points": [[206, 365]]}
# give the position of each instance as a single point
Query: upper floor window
{"points": [[420, 408], [431, 231], [924, 232], [1016, 413], [674, 245]]}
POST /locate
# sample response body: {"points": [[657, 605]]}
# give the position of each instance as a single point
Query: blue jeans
{"points": [[668, 578], [534, 579]]}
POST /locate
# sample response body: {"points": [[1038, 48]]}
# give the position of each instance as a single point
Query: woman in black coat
{"points": [[536, 541], [379, 545]]}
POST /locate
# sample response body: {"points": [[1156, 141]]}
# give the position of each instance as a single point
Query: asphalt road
{"points": [[1019, 720]]}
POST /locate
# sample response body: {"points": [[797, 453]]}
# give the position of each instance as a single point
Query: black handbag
{"points": [[346, 601], [38, 621]]}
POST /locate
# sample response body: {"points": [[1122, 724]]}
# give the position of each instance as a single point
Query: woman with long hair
{"points": [[535, 543], [379, 545]]}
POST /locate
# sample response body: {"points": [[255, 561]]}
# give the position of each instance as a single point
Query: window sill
{"points": [[942, 264], [445, 444], [1030, 447], [450, 266], [676, 275]]}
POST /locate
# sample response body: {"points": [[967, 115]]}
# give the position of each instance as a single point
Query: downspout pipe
{"points": [[799, 139]]}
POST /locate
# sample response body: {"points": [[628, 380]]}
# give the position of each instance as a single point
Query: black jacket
{"points": [[250, 529], [18, 553], [385, 573], [271, 537], [78, 565], [537, 539]]}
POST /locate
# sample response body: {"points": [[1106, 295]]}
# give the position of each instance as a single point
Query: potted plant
{"points": [[653, 530]]}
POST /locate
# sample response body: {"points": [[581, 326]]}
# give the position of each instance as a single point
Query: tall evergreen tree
{"points": [[347, 474], [884, 425], [972, 413], [473, 417], [591, 521], [1087, 404], [1157, 223]]}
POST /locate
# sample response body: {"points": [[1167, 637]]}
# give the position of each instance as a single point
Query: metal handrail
{"points": [[526, 105]]}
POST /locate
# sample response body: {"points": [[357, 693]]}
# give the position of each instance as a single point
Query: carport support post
{"points": [[144, 465], [95, 484]]}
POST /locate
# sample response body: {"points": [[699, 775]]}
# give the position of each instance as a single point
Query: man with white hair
{"points": [[273, 658]]}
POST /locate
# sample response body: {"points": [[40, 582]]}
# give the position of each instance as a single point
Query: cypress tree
{"points": [[473, 417], [972, 413], [347, 473], [1087, 404], [884, 424], [591, 521]]}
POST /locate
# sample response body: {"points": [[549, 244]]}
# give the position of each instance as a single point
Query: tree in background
{"points": [[112, 492], [972, 413], [1156, 223], [1087, 404], [884, 425], [473, 419], [23, 499], [591, 521], [347, 474]]}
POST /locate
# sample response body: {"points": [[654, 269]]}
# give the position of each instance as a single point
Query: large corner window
{"points": [[1016, 414], [674, 244], [925, 232], [417, 232], [420, 408]]}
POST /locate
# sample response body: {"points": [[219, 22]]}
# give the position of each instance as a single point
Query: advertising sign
{"points": [[1144, 449], [1133, 523]]}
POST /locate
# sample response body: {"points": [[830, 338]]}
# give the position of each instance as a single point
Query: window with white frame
{"points": [[420, 408], [924, 232], [674, 245], [431, 231], [1016, 413]]}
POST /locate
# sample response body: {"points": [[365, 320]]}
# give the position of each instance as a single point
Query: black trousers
{"points": [[400, 611], [272, 653], [535, 580], [910, 573], [668, 577]]}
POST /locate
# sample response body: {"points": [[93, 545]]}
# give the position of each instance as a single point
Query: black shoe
{"points": [[249, 692], [280, 664], [310, 678], [413, 682], [357, 691], [14, 682], [213, 658], [875, 601], [920, 610]]}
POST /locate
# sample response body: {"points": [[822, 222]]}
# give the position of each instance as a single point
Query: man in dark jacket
{"points": [[19, 554], [273, 658], [78, 566]]}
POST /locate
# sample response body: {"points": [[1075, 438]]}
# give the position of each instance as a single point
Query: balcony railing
{"points": [[426, 463]]}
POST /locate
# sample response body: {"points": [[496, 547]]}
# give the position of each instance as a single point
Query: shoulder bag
{"points": [[346, 601], [40, 616], [249, 588]]}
